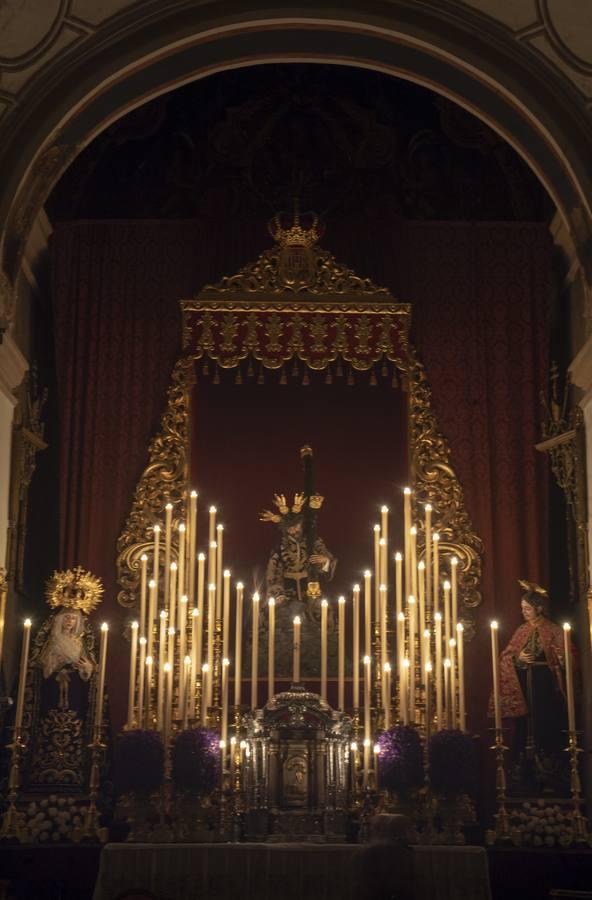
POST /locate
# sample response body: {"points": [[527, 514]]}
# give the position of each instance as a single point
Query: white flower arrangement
{"points": [[541, 825], [53, 820]]}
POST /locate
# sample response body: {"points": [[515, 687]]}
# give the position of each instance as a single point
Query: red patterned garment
{"points": [[550, 638]]}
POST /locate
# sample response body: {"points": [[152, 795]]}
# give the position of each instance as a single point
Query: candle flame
{"points": [[366, 742], [201, 557], [222, 745], [452, 643], [171, 632], [446, 585], [157, 529], [271, 601], [205, 667], [438, 617], [163, 614], [152, 584], [401, 617], [367, 573], [406, 662], [226, 573], [426, 633], [27, 623], [387, 667], [447, 663], [167, 667], [255, 597], [460, 627], [148, 660], [382, 542], [382, 587], [193, 494], [143, 641], [211, 587], [421, 565], [297, 620], [195, 612], [356, 588], [181, 526], [187, 661], [220, 527], [341, 600], [398, 556], [173, 567], [454, 561], [168, 507], [493, 624], [377, 528], [377, 749], [384, 509], [213, 510], [428, 507], [233, 740], [143, 558], [413, 530], [354, 746], [366, 660], [407, 490], [104, 627], [411, 598], [225, 661], [135, 624], [324, 603], [239, 585], [184, 598], [213, 545], [566, 626], [428, 667], [435, 536]]}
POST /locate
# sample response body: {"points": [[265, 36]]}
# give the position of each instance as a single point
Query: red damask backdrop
{"points": [[480, 295]]}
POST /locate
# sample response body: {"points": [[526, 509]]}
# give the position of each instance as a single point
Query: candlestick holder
{"points": [[11, 829], [580, 832], [501, 831], [214, 713], [90, 829]]}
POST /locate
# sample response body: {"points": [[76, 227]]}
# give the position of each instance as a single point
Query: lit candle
{"points": [[461, 675], [172, 610], [148, 695], [447, 690], [367, 709], [356, 647], [401, 659], [454, 589], [182, 649], [411, 673], [366, 761], [186, 682], [428, 555], [341, 654], [212, 546], [376, 750], [201, 565], [413, 562], [219, 562], [422, 605], [143, 584], [168, 713], [405, 690], [101, 687], [438, 643], [238, 644], [296, 654], [151, 615], [255, 651], [496, 684], [425, 648], [447, 619], [571, 713], [161, 675], [271, 649], [211, 629], [407, 536], [192, 544], [376, 576], [368, 611], [224, 724], [452, 645], [383, 563], [222, 746], [233, 756], [141, 681], [324, 606], [156, 558], [171, 645], [387, 695], [195, 662], [398, 585], [181, 579], [226, 615], [24, 663], [205, 671], [132, 675], [168, 525], [436, 578]]}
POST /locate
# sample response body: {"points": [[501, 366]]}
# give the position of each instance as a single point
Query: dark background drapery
{"points": [[480, 296]]}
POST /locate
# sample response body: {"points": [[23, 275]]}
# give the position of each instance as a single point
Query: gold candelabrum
{"points": [[502, 819], [11, 829], [581, 834], [91, 829]]}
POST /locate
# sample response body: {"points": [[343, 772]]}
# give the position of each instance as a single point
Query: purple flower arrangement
{"points": [[453, 762], [400, 760], [138, 761], [196, 761]]}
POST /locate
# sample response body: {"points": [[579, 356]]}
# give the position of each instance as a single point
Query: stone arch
{"points": [[454, 56]]}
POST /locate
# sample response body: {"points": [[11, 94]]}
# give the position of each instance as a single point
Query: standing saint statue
{"points": [[533, 693], [298, 565], [60, 693]]}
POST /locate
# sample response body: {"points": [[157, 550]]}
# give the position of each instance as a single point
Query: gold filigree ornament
{"points": [[74, 589]]}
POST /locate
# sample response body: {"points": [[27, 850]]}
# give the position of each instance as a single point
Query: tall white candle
{"points": [[151, 615], [436, 576], [195, 668], [168, 528], [24, 664], [324, 606], [383, 562], [271, 649], [143, 593], [405, 691], [141, 681], [407, 537], [376, 576], [156, 556], [447, 616], [296, 655], [452, 656], [387, 695], [201, 565], [168, 706], [438, 645], [428, 689], [368, 612], [367, 696], [496, 681], [211, 629], [212, 546], [238, 644], [255, 651], [219, 565], [186, 683], [422, 606], [172, 610], [132, 675], [191, 551], [356, 647], [224, 724], [412, 660], [171, 646], [101, 685], [341, 654], [571, 711], [161, 676], [383, 626], [226, 615], [181, 574], [205, 672], [460, 645], [447, 667], [182, 649], [428, 558], [148, 694], [400, 663], [398, 585]]}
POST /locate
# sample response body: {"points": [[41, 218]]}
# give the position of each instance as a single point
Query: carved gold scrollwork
{"points": [[164, 480]]}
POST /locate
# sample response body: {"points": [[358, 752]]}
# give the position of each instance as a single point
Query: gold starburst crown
{"points": [[532, 588], [74, 589], [297, 234]]}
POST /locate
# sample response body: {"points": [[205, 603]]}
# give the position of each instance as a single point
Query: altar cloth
{"points": [[289, 871]]}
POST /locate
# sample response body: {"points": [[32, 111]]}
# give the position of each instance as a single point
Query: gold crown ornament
{"points": [[74, 589], [297, 234], [532, 588]]}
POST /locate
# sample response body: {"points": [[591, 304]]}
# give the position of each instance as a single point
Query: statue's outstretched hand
{"points": [[268, 516]]}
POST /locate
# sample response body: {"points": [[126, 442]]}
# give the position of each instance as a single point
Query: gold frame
{"points": [[258, 290]]}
